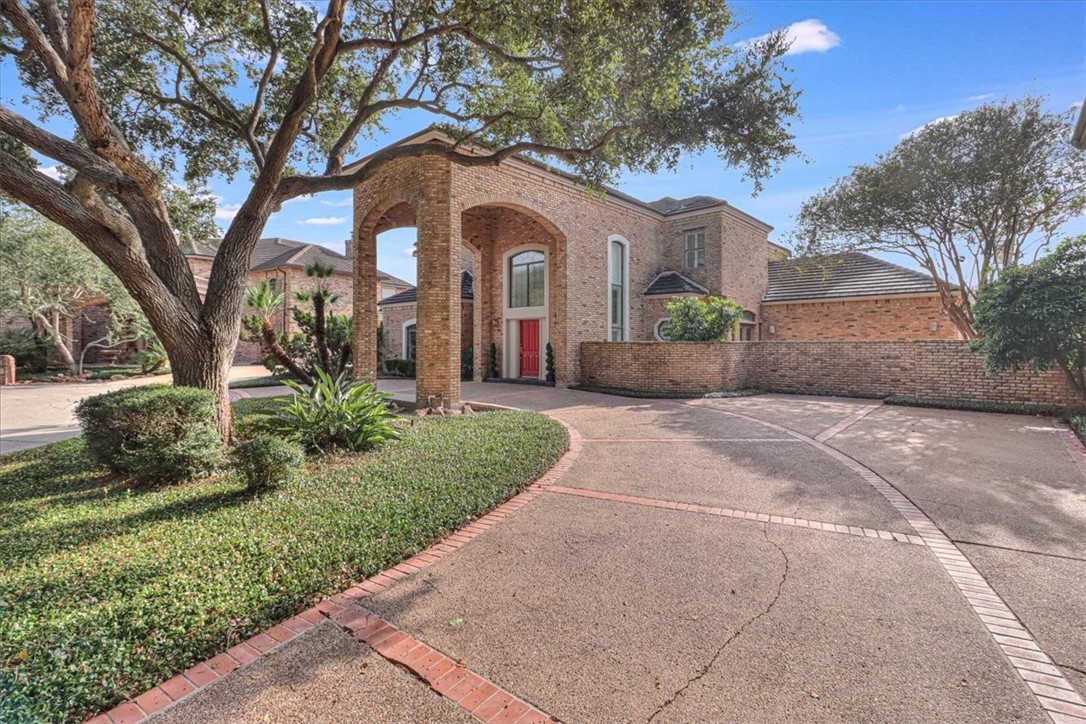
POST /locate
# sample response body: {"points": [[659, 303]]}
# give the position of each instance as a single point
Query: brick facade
{"points": [[493, 210], [925, 369], [901, 317]]}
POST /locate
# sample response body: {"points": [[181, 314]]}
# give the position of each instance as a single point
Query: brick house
{"points": [[551, 262], [282, 263]]}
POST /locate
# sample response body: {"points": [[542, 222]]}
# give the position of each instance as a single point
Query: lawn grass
{"points": [[107, 590], [265, 381]]}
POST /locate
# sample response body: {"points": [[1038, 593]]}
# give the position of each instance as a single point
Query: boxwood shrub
{"points": [[265, 461], [153, 433]]}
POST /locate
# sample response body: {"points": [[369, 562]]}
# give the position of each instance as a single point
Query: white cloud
{"points": [[805, 36], [409, 251], [342, 202], [225, 212], [934, 121], [52, 172], [981, 97], [298, 199], [323, 221], [900, 107]]}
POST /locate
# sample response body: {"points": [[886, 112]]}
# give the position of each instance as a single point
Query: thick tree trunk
{"points": [[272, 346], [207, 368]]}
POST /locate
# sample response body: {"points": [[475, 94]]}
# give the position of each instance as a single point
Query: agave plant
{"points": [[338, 413]]}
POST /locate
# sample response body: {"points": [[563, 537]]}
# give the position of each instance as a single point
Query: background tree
{"points": [[965, 198], [162, 91], [692, 319], [50, 277], [1036, 315], [266, 302]]}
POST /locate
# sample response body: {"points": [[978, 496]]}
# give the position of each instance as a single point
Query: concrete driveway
{"points": [[37, 413], [773, 558]]}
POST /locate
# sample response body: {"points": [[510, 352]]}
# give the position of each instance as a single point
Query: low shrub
{"points": [[399, 368], [1010, 408], [154, 433], [337, 414], [266, 461], [1078, 424], [29, 347]]}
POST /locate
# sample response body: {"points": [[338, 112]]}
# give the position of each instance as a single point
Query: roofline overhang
{"points": [[1078, 136], [436, 134], [851, 298]]}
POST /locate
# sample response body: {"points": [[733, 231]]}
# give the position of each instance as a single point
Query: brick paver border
{"points": [[498, 705], [847, 422], [1045, 680], [1075, 447], [739, 514]]}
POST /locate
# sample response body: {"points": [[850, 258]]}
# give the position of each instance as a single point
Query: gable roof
{"points": [[672, 282], [410, 295], [666, 206], [276, 252], [849, 274]]}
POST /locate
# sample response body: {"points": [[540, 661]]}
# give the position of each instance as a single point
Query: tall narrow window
{"points": [[748, 328], [409, 342], [617, 302], [526, 280], [694, 248]]}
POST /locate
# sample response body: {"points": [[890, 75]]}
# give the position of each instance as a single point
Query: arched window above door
{"points": [[527, 279]]}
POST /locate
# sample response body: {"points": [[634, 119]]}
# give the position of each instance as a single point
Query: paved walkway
{"points": [[34, 414], [757, 559]]}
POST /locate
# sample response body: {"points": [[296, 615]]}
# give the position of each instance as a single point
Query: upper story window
{"points": [[275, 284], [617, 275], [526, 279], [694, 249]]}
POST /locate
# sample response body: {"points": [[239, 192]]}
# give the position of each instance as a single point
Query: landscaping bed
{"points": [[107, 589]]}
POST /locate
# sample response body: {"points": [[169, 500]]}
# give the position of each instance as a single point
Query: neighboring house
{"points": [[282, 263], [553, 262]]}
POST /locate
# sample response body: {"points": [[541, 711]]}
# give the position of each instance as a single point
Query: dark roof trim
{"points": [[672, 282], [410, 295]]}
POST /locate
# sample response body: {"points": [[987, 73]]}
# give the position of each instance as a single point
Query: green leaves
{"points": [[692, 319], [1036, 315], [338, 413]]}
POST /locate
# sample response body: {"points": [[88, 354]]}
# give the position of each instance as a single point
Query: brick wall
{"points": [[925, 369], [883, 318]]}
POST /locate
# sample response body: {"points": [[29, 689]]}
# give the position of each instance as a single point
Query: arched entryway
{"points": [[520, 290]]}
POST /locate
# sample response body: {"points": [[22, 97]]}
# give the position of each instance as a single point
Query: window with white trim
{"points": [[618, 280], [526, 280], [410, 342], [694, 249], [660, 330]]}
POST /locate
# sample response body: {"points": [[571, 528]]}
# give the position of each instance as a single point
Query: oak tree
{"points": [[281, 92]]}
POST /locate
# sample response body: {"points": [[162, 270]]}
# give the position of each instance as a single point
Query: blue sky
{"points": [[870, 72]]}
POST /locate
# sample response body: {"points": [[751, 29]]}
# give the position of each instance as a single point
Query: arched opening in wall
{"points": [[396, 237], [519, 292]]}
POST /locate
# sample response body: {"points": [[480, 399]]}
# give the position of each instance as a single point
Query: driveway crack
{"points": [[716, 656]]}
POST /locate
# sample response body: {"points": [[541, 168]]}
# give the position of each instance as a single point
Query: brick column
{"points": [[437, 369], [364, 302]]}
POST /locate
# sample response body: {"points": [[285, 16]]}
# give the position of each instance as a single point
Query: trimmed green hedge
{"points": [[108, 590], [153, 433], [648, 394], [1018, 408]]}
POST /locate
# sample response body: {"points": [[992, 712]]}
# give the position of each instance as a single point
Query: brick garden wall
{"points": [[906, 317], [928, 370]]}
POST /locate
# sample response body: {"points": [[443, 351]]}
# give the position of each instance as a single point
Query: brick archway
{"points": [[495, 227]]}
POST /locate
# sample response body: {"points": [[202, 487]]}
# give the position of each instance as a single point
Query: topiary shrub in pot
{"points": [[153, 433], [267, 461]]}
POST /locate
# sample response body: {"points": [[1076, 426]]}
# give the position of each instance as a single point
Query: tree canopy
{"points": [[1036, 315], [966, 198], [691, 319], [48, 275], [164, 93]]}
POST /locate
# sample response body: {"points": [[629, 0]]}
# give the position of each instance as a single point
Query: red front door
{"points": [[529, 348]]}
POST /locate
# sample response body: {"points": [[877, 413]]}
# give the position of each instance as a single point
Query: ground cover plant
{"points": [[107, 588]]}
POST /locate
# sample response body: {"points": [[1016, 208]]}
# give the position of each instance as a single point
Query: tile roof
{"points": [[842, 275], [275, 252], [672, 282], [410, 295], [669, 206]]}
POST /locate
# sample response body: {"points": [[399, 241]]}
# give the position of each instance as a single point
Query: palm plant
{"points": [[321, 297], [266, 301]]}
